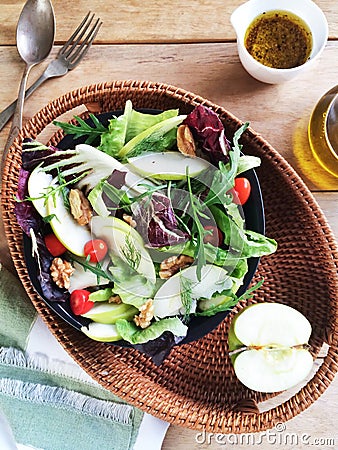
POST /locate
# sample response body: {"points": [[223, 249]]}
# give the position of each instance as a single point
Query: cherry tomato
{"points": [[54, 246], [241, 191], [79, 302], [214, 238], [96, 249]]}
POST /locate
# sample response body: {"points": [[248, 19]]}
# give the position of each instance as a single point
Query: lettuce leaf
{"points": [[129, 125], [134, 291], [159, 137], [114, 138], [247, 162], [133, 334], [244, 242], [139, 122]]}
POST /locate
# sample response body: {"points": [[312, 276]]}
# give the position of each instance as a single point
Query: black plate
{"points": [[199, 326]]}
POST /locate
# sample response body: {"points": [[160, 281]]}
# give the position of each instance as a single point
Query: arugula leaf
{"points": [[198, 230], [231, 302], [246, 243], [83, 128], [64, 191], [224, 178], [97, 269], [49, 218], [56, 189]]}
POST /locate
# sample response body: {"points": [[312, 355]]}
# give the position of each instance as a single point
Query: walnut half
{"points": [[80, 207], [185, 141], [61, 272], [173, 264], [146, 314]]}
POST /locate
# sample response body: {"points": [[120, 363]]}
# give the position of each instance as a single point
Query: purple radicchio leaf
{"points": [[158, 349], [118, 180], [26, 215], [156, 222], [35, 154], [44, 260], [29, 219], [208, 131]]}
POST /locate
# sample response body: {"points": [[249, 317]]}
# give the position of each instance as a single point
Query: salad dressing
{"points": [[279, 39]]}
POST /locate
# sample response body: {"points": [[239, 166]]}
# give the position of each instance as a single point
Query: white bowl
{"points": [[311, 14]]}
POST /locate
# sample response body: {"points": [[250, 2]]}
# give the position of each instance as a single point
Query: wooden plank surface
{"points": [[280, 113], [129, 21]]}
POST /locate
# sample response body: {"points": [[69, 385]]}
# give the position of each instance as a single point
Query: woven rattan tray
{"points": [[196, 386]]}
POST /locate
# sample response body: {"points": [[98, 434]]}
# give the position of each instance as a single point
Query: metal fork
{"points": [[67, 58]]}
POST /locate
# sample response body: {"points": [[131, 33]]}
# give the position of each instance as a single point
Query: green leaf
{"points": [[258, 244], [225, 306], [134, 291], [224, 178], [131, 333], [246, 243], [97, 269], [114, 138], [247, 162], [155, 137], [133, 288], [83, 128], [197, 230], [49, 218], [231, 302], [139, 122]]}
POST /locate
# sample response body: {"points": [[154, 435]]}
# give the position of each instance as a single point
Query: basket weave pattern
{"points": [[196, 386]]}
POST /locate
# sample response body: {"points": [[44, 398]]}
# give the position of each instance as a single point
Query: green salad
{"points": [[140, 228]]}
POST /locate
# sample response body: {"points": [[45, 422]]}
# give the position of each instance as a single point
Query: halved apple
{"points": [[126, 243], [102, 332], [168, 299], [268, 342], [167, 165], [110, 312]]}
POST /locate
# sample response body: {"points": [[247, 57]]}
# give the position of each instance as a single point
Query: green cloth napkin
{"points": [[48, 404]]}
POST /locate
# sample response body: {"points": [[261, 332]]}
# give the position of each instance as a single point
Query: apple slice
{"points": [[273, 339], [168, 300], [72, 235], [110, 312], [167, 165], [126, 243], [38, 182], [102, 332]]}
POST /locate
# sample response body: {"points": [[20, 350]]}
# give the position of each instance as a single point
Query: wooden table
{"points": [[192, 45]]}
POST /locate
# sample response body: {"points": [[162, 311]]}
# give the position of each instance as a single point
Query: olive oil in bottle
{"points": [[322, 143]]}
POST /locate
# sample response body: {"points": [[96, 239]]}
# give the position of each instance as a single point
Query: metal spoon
{"points": [[34, 37]]}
